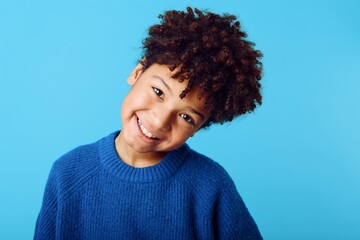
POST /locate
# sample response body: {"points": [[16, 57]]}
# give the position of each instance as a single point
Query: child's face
{"points": [[154, 118]]}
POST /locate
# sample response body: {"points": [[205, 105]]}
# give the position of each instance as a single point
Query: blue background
{"points": [[295, 160]]}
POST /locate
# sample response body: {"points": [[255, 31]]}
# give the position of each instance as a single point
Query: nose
{"points": [[162, 119]]}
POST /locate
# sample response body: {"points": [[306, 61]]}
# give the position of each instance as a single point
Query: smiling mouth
{"points": [[145, 131]]}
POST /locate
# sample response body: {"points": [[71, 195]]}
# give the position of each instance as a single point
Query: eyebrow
{"points": [[162, 80], [190, 108], [196, 112]]}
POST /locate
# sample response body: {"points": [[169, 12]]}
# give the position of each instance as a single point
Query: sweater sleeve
{"points": [[46, 221], [232, 219]]}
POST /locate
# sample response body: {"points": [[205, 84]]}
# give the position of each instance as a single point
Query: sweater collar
{"points": [[166, 168]]}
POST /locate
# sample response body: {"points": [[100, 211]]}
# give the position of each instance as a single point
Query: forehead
{"points": [[162, 75]]}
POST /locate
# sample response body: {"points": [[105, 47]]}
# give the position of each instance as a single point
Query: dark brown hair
{"points": [[211, 53]]}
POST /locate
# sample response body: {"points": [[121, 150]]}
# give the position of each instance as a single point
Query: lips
{"points": [[144, 131]]}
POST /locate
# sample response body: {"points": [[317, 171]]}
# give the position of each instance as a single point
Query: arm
{"points": [[232, 219], [46, 221]]}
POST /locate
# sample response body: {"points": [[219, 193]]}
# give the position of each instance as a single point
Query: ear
{"points": [[135, 74]]}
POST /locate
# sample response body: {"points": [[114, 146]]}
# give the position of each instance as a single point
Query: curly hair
{"points": [[211, 53]]}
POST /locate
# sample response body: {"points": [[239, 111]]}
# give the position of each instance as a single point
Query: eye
{"points": [[158, 92], [187, 118]]}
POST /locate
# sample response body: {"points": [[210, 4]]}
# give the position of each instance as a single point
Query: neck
{"points": [[134, 158]]}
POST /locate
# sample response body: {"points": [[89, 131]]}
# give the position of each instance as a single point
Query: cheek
{"points": [[181, 134], [135, 101]]}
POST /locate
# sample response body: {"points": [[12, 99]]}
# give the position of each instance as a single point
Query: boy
{"points": [[144, 182]]}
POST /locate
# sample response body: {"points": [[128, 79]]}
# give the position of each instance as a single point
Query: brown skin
{"points": [[210, 68], [211, 53], [154, 100]]}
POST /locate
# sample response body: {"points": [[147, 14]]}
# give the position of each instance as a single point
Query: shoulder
{"points": [[216, 195], [75, 160], [206, 169], [75, 167], [205, 177]]}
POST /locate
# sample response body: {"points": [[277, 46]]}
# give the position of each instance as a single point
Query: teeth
{"points": [[145, 131]]}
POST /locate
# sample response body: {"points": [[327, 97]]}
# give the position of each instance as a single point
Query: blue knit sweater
{"points": [[92, 194]]}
